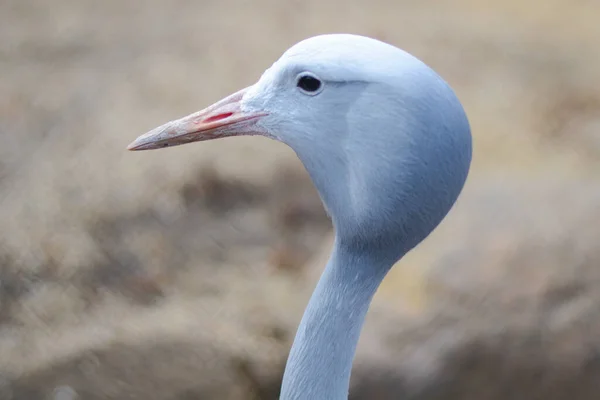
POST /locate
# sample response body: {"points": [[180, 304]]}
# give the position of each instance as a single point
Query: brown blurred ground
{"points": [[182, 274]]}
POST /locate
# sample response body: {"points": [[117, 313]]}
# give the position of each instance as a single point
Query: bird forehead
{"points": [[344, 57], [338, 43], [340, 48]]}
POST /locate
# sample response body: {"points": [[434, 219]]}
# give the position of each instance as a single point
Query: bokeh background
{"points": [[182, 274]]}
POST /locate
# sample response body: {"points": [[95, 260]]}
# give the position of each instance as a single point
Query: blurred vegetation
{"points": [[182, 274]]}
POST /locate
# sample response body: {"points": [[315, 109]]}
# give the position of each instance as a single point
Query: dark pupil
{"points": [[309, 83]]}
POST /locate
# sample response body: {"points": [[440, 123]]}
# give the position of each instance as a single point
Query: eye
{"points": [[309, 84]]}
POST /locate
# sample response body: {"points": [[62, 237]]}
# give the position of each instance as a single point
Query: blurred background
{"points": [[182, 274]]}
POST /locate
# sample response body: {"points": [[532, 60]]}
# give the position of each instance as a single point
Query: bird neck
{"points": [[321, 357]]}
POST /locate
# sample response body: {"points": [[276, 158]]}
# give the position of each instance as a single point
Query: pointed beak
{"points": [[222, 119]]}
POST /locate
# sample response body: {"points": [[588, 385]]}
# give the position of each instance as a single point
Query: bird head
{"points": [[383, 137]]}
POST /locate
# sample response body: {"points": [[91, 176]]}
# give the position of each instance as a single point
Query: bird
{"points": [[388, 146]]}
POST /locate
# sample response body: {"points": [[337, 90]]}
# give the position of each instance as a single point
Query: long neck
{"points": [[321, 357]]}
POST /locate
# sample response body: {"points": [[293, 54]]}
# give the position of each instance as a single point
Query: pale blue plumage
{"points": [[388, 146]]}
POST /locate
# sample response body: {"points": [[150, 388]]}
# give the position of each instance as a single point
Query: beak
{"points": [[222, 119]]}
